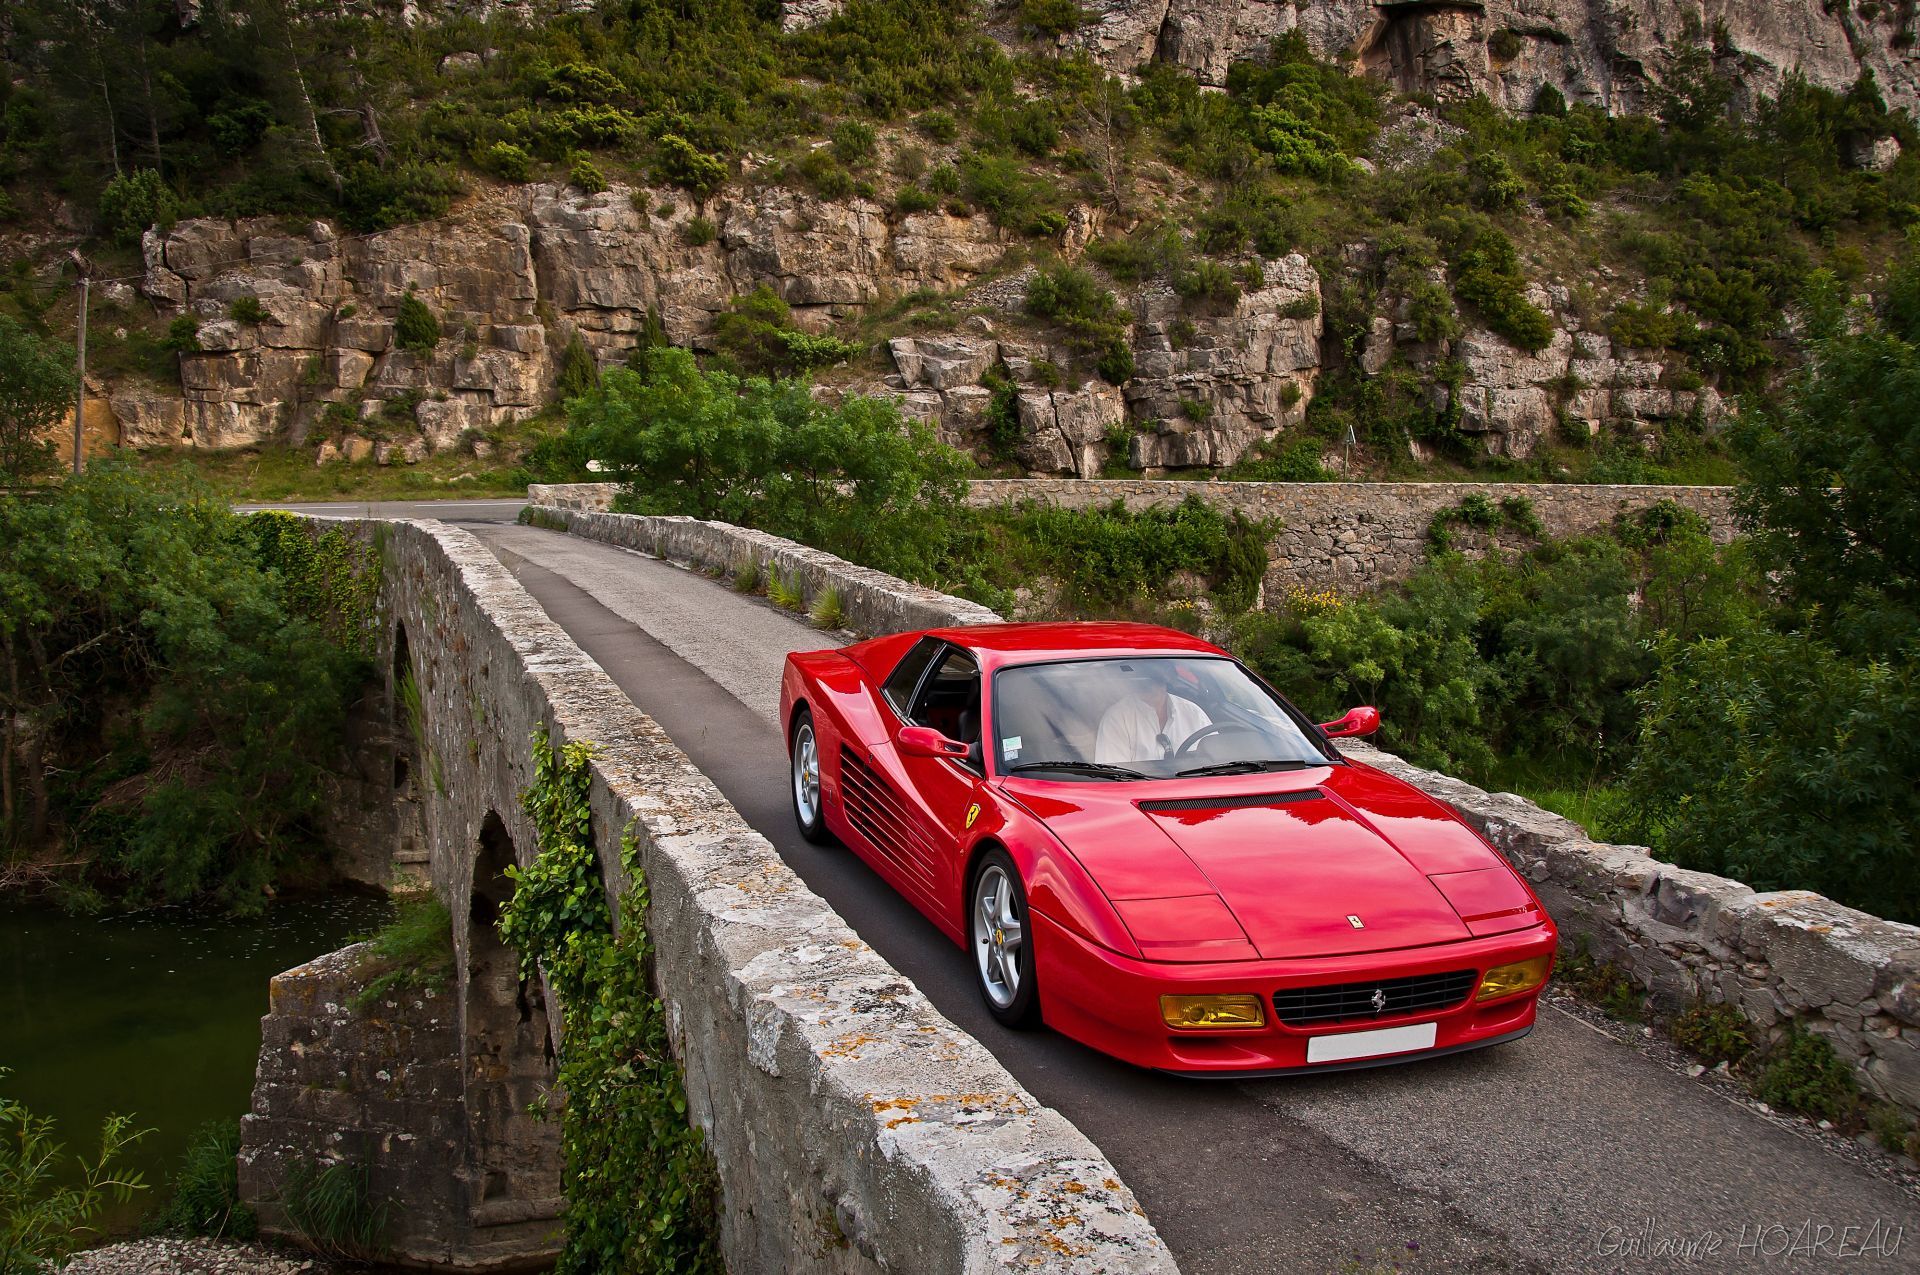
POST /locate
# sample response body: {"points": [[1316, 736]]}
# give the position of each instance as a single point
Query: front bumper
{"points": [[1111, 1002]]}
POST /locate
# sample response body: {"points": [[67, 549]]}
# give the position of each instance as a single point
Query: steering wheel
{"points": [[1205, 732]]}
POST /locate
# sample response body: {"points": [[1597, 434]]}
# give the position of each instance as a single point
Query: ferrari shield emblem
{"points": [[1356, 922], [973, 812]]}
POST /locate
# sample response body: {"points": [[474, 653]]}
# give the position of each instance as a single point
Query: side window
{"points": [[905, 678], [950, 699]]}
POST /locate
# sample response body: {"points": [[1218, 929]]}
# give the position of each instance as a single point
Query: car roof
{"points": [[1027, 643]]}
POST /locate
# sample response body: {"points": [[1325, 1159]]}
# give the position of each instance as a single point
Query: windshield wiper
{"points": [[1245, 767], [1099, 768]]}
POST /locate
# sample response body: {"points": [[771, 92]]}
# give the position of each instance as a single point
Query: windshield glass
{"points": [[1157, 717]]}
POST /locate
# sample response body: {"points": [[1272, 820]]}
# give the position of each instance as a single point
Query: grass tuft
{"points": [[206, 1190], [784, 593], [413, 952], [748, 577], [829, 611]]}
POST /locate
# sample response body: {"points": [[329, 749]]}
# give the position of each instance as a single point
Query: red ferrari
{"points": [[1147, 848]]}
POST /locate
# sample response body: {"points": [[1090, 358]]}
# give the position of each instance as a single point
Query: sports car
{"points": [[1144, 846]]}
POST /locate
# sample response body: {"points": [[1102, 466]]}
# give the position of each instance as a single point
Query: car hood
{"points": [[1333, 861]]}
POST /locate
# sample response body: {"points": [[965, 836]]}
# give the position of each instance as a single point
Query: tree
{"points": [[45, 1208], [36, 390], [854, 479], [1832, 489]]}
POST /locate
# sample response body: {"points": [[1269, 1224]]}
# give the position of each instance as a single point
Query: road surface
{"points": [[1572, 1150]]}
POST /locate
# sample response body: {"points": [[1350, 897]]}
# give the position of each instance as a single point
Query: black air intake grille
{"points": [[1379, 998], [1230, 803]]}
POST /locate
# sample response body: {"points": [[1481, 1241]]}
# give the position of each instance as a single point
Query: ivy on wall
{"points": [[642, 1191]]}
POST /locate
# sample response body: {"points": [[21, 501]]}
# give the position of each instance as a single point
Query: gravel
{"points": [[161, 1256]]}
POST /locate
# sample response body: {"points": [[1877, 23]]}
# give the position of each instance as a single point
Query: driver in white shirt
{"points": [[1148, 723]]}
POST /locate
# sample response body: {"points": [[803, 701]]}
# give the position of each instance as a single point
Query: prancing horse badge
{"points": [[1356, 922], [973, 812]]}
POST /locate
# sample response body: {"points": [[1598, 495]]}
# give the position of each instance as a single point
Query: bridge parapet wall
{"points": [[855, 1128], [1686, 936]]}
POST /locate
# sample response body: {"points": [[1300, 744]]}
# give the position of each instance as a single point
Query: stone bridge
{"points": [[854, 1127], [804, 1036]]}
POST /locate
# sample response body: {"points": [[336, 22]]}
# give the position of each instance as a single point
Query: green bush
{"points": [[579, 370], [37, 384], [1487, 276], [248, 310], [586, 176], [48, 1203], [1109, 559], [1051, 18], [853, 143], [1802, 1073], [505, 161], [699, 232], [854, 479], [1714, 1033], [756, 335], [414, 951], [681, 163], [134, 201], [1095, 324], [415, 328], [206, 1190]]}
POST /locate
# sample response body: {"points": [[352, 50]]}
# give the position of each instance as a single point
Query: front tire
{"points": [[803, 751], [1002, 942]]}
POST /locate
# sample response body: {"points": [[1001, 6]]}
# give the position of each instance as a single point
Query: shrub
{"points": [[1294, 462], [938, 125], [48, 1203], [579, 370], [699, 232], [248, 310], [853, 143], [1716, 1033], [586, 176], [183, 335], [786, 594], [1505, 44], [1890, 1126], [854, 479], [415, 328], [1051, 18], [331, 1208], [131, 202], [1487, 277], [911, 199], [1802, 1073], [1093, 320], [505, 161], [680, 162], [414, 951], [757, 336], [1207, 282], [749, 577], [36, 389], [206, 1190]]}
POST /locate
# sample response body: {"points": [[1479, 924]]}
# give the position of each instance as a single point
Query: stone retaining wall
{"points": [[1357, 536], [855, 1128], [1346, 536], [1684, 935]]}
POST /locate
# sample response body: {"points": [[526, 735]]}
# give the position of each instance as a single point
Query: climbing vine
{"points": [[642, 1192], [328, 576]]}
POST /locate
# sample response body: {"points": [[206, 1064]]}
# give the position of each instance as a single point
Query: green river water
{"points": [[154, 1014]]}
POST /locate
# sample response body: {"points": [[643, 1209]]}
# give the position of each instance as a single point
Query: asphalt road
{"points": [[1571, 1150]]}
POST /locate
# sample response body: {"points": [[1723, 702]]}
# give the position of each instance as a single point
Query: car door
{"points": [[943, 790]]}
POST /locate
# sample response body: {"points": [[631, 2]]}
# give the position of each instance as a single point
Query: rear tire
{"points": [[1000, 936], [803, 752]]}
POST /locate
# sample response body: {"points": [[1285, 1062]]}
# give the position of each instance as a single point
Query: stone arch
{"points": [[513, 1157]]}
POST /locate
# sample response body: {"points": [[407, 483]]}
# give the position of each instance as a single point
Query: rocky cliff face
{"points": [[1607, 53], [514, 278]]}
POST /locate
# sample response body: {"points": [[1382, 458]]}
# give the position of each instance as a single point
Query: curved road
{"points": [[1572, 1150]]}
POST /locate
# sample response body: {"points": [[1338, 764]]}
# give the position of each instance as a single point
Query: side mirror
{"points": [[925, 741], [1358, 721]]}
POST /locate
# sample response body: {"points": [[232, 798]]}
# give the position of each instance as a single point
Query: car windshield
{"points": [[1154, 717]]}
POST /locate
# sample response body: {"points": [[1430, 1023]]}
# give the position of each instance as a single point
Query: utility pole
{"points": [[85, 268]]}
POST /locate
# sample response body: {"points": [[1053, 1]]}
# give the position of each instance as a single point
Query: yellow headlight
{"points": [[1213, 1012], [1505, 980]]}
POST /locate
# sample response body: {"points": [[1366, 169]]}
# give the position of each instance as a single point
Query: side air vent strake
{"points": [[1230, 803]]}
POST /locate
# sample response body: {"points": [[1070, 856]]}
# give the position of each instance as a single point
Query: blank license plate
{"points": [[1373, 1044]]}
